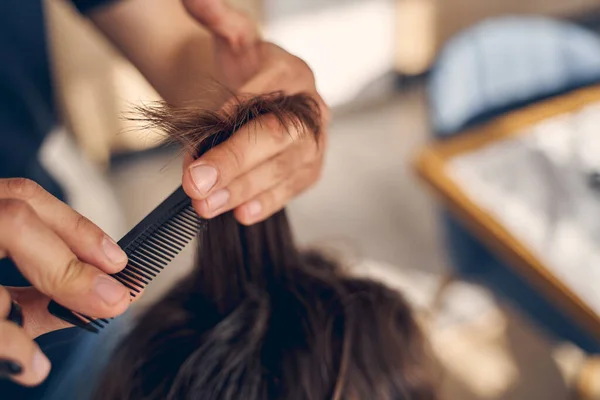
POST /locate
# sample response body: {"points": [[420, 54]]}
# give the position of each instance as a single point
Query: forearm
{"points": [[169, 48]]}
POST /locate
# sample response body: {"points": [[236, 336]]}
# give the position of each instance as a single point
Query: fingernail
{"points": [[254, 208], [204, 177], [40, 364], [112, 251], [217, 200], [111, 291], [10, 368], [16, 314]]}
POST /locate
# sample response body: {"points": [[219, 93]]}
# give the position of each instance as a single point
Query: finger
{"points": [[83, 237], [269, 202], [20, 358], [224, 21], [265, 176], [250, 146], [48, 263], [5, 303], [36, 318]]}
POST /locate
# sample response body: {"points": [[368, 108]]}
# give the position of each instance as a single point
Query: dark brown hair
{"points": [[257, 319]]}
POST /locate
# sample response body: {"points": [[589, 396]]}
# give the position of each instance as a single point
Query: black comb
{"points": [[150, 246]]}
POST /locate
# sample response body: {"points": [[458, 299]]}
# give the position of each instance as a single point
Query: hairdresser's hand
{"points": [[66, 258], [261, 167]]}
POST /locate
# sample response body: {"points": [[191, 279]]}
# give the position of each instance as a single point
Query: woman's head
{"points": [[258, 319]]}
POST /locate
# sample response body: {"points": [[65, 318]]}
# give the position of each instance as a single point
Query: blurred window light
{"points": [[347, 44], [415, 36]]}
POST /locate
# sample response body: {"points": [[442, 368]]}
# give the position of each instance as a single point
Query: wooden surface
{"points": [[430, 165]]}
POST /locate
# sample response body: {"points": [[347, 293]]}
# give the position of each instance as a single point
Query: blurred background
{"points": [[398, 74]]}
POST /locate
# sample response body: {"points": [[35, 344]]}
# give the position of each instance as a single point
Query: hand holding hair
{"points": [[258, 318], [264, 166], [66, 258], [257, 174]]}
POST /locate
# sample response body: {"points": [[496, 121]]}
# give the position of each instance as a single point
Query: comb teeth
{"points": [[157, 250], [150, 246]]}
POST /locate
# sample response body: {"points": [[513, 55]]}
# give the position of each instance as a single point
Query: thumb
{"points": [[34, 305], [224, 21]]}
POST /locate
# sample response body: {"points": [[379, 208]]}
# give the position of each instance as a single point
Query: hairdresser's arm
{"points": [[254, 177], [165, 44], [66, 258]]}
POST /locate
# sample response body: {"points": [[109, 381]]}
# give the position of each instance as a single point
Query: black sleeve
{"points": [[85, 6]]}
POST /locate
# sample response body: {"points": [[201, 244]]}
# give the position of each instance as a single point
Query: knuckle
{"points": [[15, 214], [68, 277], [82, 224], [282, 167], [271, 123], [283, 68], [23, 188], [303, 70], [234, 156], [274, 128]]}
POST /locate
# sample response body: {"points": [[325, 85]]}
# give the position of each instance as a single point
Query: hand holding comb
{"points": [[150, 246]]}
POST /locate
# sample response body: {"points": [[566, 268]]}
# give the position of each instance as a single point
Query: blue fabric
{"points": [[78, 358], [496, 66], [27, 111], [508, 61], [90, 356], [27, 108]]}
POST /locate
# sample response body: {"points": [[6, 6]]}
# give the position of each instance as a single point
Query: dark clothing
{"points": [[27, 115], [27, 109]]}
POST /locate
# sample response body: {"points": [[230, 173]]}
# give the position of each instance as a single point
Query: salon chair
{"points": [[497, 66]]}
